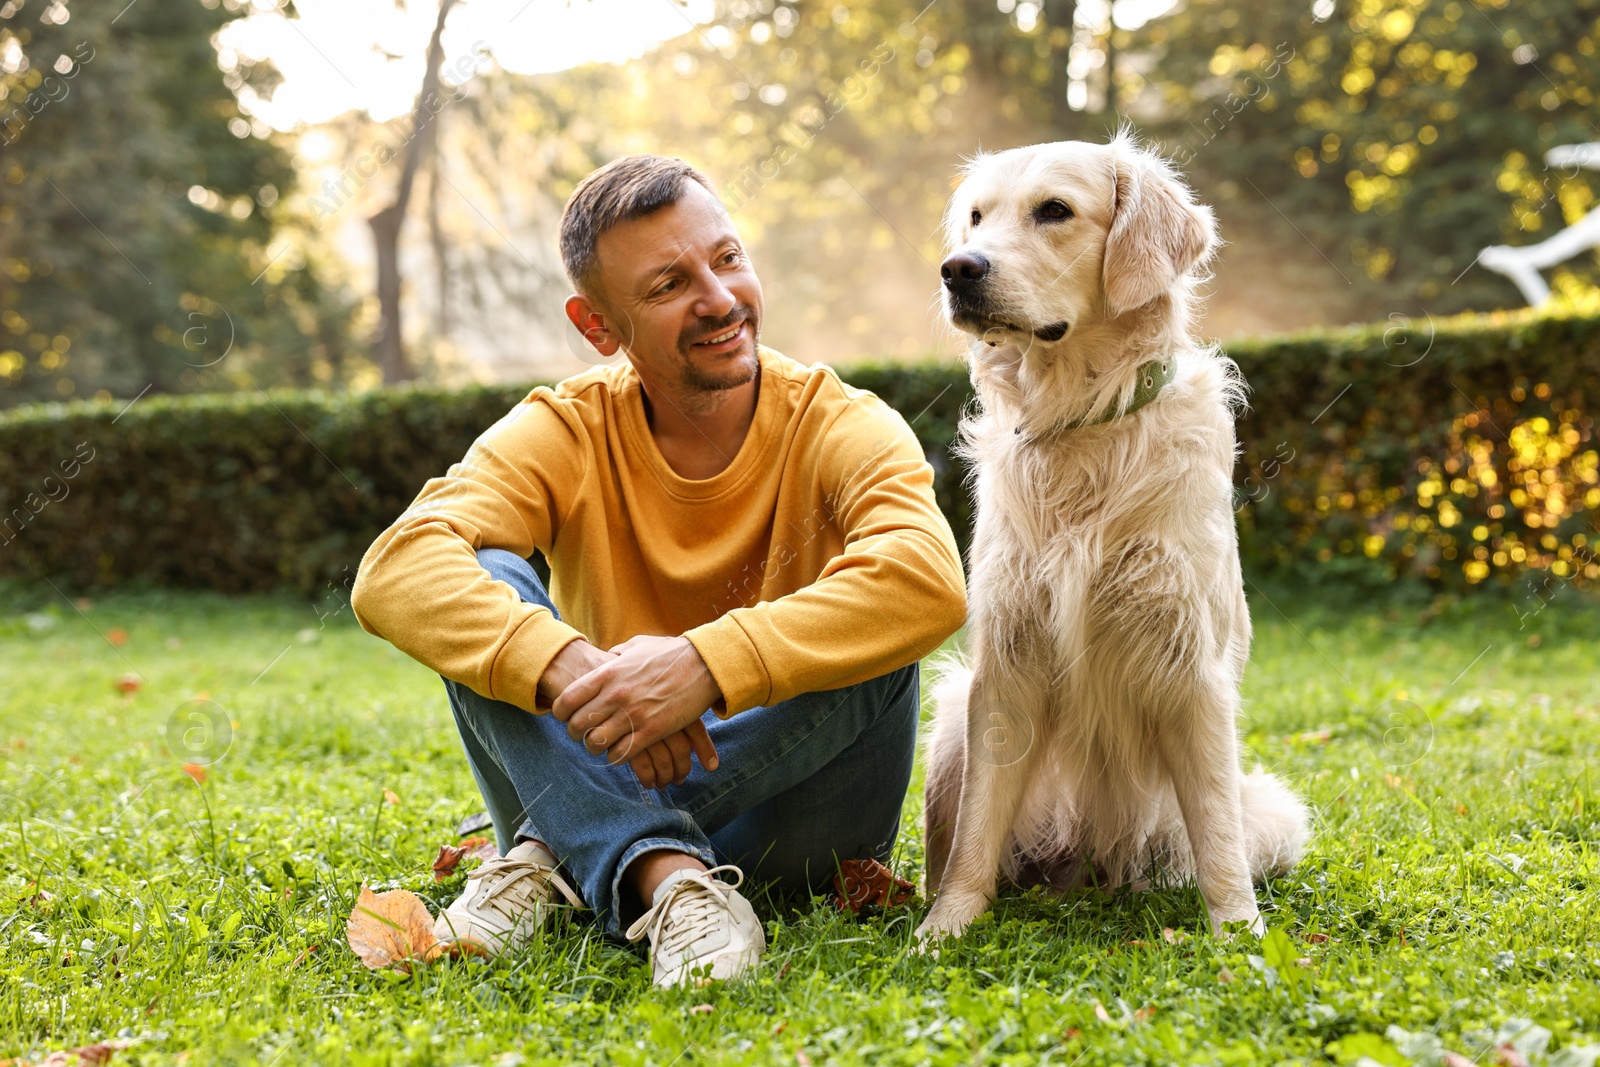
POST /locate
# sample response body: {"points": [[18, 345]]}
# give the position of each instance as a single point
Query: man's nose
{"points": [[714, 299], [963, 271]]}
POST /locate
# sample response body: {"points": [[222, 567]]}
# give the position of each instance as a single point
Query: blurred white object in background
{"points": [[1522, 265]]}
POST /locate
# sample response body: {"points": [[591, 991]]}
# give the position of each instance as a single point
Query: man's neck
{"points": [[699, 435]]}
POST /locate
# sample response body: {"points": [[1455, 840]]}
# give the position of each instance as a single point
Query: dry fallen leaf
{"points": [[196, 771], [1508, 1056], [450, 856], [127, 684], [1315, 939], [863, 883], [95, 1055], [1224, 975], [391, 798], [391, 929]]}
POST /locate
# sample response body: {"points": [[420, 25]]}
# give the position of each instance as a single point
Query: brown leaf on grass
{"points": [[128, 684], [391, 798], [1224, 975], [197, 771], [450, 856], [1315, 939], [95, 1055], [391, 929], [861, 883], [1508, 1056]]}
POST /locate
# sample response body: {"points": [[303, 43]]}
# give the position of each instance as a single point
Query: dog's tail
{"points": [[1276, 824], [949, 677]]}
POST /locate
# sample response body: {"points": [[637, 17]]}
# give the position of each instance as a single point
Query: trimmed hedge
{"points": [[1450, 451]]}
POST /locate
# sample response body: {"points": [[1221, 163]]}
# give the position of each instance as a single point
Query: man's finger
{"points": [[661, 755], [598, 739], [700, 742], [677, 746], [580, 691], [644, 769]]}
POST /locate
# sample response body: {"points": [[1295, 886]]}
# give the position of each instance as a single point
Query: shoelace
{"points": [[704, 902], [513, 874]]}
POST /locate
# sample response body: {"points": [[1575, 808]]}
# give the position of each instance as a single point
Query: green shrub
{"points": [[1450, 451]]}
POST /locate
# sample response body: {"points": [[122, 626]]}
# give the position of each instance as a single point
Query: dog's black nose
{"points": [[963, 270]]}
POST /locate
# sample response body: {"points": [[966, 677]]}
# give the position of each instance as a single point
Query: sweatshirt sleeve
{"points": [[894, 593], [420, 586]]}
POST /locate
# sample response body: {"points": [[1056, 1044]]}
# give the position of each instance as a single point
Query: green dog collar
{"points": [[1154, 376]]}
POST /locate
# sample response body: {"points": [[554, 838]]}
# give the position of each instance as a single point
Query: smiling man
{"points": [[747, 564]]}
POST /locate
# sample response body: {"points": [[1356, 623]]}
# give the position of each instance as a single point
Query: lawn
{"points": [[1449, 894]]}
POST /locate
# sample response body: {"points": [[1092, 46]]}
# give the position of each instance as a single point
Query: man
{"points": [[747, 564]]}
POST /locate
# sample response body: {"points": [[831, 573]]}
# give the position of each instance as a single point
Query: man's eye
{"points": [[977, 216], [1053, 211]]}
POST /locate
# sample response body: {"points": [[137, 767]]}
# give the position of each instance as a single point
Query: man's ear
{"points": [[593, 325], [1158, 233]]}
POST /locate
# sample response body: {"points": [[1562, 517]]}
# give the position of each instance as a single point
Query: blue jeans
{"points": [[800, 786]]}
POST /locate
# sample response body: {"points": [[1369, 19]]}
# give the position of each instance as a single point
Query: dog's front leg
{"points": [[1002, 725], [1204, 764]]}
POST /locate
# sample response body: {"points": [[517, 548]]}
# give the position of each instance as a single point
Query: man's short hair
{"points": [[627, 188]]}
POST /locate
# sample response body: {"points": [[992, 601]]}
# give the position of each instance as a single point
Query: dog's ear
{"points": [[1158, 233]]}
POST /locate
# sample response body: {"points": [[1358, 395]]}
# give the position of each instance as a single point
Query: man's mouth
{"points": [[725, 341]]}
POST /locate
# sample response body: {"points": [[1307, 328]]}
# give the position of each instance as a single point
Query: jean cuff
{"points": [[637, 849]]}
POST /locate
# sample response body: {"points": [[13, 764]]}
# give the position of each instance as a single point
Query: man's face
{"points": [[677, 291]]}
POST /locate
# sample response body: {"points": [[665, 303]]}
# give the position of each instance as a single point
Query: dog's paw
{"points": [[1224, 926], [950, 917]]}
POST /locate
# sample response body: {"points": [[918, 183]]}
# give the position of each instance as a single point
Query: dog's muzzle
{"points": [[971, 306]]}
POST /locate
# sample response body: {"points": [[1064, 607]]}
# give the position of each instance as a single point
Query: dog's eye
{"points": [[977, 216], [1053, 211]]}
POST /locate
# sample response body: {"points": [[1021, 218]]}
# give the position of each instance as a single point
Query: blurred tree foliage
{"points": [[834, 131], [142, 241], [1399, 136]]}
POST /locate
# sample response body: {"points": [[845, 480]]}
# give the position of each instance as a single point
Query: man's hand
{"points": [[666, 761], [653, 692]]}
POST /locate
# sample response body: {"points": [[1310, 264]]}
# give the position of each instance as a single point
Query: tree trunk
{"points": [[1060, 18], [387, 223]]}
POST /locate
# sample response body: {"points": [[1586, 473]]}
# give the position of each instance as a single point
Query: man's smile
{"points": [[725, 341]]}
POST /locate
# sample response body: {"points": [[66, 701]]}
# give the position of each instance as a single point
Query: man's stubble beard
{"points": [[700, 387]]}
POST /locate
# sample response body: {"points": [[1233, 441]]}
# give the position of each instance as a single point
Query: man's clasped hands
{"points": [[639, 702]]}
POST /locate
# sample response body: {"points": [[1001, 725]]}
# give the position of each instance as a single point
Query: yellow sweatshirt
{"points": [[816, 560]]}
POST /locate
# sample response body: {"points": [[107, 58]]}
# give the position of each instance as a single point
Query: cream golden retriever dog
{"points": [[1093, 735]]}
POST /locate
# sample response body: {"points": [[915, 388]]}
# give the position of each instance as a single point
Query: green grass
{"points": [[1456, 893]]}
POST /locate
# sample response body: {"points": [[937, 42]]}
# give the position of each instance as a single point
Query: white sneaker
{"points": [[506, 901], [698, 922]]}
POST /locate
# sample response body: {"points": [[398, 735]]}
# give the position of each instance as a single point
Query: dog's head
{"points": [[1054, 237]]}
